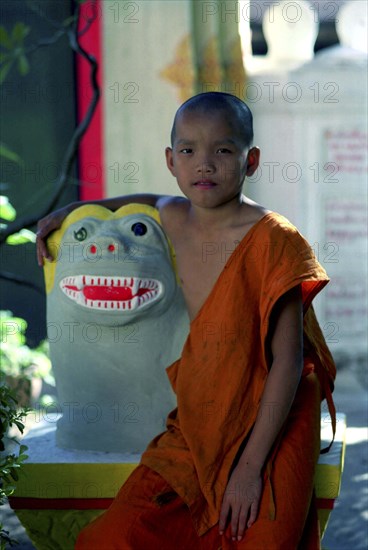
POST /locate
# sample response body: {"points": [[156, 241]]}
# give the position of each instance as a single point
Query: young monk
{"points": [[235, 466]]}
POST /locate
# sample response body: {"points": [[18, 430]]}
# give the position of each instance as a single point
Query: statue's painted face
{"points": [[112, 263]]}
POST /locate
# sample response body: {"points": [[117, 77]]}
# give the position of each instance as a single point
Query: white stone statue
{"points": [[290, 29], [116, 319], [352, 27]]}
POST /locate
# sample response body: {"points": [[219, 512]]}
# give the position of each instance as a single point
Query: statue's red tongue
{"points": [[109, 293]]}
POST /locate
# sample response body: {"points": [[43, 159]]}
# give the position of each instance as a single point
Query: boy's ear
{"points": [[169, 160], [252, 160]]}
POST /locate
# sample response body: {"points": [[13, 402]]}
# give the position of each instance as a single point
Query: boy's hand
{"points": [[241, 499], [44, 227]]}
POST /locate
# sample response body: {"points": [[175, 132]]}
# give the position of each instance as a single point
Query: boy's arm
{"points": [[243, 492], [55, 219]]}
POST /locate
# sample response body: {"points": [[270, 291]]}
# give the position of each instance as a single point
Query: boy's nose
{"points": [[206, 168]]}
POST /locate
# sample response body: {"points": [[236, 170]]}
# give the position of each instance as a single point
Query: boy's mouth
{"points": [[205, 184]]}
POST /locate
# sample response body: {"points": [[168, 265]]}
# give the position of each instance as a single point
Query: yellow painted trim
{"points": [[328, 481], [68, 480], [323, 516]]}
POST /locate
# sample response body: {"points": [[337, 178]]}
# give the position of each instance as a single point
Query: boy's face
{"points": [[209, 157]]}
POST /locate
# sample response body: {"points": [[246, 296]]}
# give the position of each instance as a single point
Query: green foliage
{"points": [[16, 358], [13, 50], [22, 237], [10, 463], [13, 44], [8, 154], [8, 213]]}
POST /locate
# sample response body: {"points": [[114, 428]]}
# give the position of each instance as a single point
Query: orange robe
{"points": [[219, 381]]}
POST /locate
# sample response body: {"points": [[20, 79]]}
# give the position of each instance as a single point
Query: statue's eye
{"points": [[81, 234], [139, 229]]}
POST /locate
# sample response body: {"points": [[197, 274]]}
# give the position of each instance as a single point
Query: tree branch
{"points": [[45, 42], [13, 278], [72, 149], [89, 20]]}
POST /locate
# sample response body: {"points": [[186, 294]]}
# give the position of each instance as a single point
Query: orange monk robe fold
{"points": [[220, 377]]}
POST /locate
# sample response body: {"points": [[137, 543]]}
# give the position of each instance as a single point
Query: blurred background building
{"points": [[300, 66]]}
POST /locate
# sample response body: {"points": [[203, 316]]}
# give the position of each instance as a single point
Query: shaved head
{"points": [[215, 102]]}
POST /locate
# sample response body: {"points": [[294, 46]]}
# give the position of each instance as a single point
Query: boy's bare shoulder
{"points": [[252, 212], [172, 208], [172, 202]]}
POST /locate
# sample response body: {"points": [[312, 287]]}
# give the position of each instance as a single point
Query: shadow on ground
{"points": [[348, 526]]}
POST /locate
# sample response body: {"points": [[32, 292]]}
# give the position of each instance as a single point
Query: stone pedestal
{"points": [[60, 491], [330, 467]]}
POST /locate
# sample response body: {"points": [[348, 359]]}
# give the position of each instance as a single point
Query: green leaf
{"points": [[7, 211], [14, 475], [19, 425], [4, 57], [23, 448], [4, 70], [9, 490], [23, 65], [9, 154], [19, 32], [12, 397], [4, 38], [22, 237]]}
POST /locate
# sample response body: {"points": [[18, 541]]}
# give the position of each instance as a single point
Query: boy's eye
{"points": [[81, 234], [223, 150], [186, 151], [139, 229]]}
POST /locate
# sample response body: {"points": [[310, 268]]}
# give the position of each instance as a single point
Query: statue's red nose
{"points": [[93, 248]]}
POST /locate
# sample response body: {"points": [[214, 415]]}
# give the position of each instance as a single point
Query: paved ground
{"points": [[348, 526]]}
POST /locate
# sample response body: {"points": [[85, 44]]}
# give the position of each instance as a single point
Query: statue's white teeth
{"points": [[73, 287], [80, 299], [135, 286], [78, 282]]}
